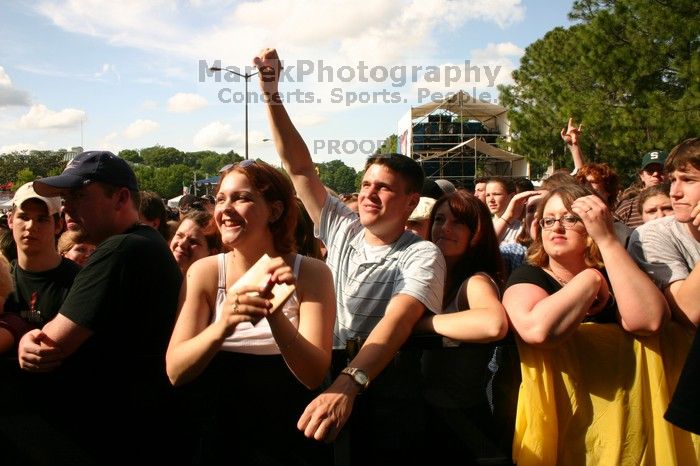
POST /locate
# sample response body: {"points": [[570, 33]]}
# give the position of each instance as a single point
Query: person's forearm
{"points": [[289, 144], [576, 155], [472, 325], [500, 226], [186, 360], [684, 297], [558, 315], [307, 361], [641, 305], [384, 341], [297, 160]]}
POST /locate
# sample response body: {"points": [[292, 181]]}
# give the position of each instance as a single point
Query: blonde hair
{"points": [[66, 242]]}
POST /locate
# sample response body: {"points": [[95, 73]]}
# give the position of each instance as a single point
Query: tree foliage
{"points": [[30, 163], [164, 170], [629, 70], [390, 145], [337, 176]]}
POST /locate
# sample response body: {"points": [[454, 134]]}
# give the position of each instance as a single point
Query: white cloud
{"points": [[149, 105], [109, 142], [500, 50], [309, 119], [216, 135], [10, 95], [482, 72], [381, 31], [41, 117], [19, 147], [106, 70], [140, 128], [182, 102]]}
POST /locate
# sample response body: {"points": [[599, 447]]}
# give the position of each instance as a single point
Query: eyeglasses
{"points": [[243, 164], [567, 221]]}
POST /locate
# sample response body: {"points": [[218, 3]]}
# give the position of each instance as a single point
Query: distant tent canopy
{"points": [[211, 181]]}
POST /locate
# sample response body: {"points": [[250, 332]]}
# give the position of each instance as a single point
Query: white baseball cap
{"points": [[422, 210], [26, 192]]}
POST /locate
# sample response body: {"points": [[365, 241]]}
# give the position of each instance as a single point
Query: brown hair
{"points": [[685, 153], [607, 176], [407, 168], [66, 241], [205, 221], [651, 191], [274, 186], [482, 253], [536, 255], [507, 183]]}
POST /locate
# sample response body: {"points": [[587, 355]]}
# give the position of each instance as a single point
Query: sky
{"points": [[132, 74]]}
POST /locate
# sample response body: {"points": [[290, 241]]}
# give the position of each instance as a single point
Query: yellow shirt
{"points": [[599, 399]]}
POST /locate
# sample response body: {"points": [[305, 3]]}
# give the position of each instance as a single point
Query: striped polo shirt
{"points": [[365, 285]]}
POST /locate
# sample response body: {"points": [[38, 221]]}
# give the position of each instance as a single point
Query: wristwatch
{"points": [[358, 375]]}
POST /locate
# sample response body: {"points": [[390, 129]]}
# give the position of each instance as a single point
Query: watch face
{"points": [[361, 378]]}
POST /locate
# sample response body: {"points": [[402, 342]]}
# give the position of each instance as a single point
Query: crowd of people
{"points": [[413, 322]]}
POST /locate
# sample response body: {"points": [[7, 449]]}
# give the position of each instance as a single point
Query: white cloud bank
{"points": [[41, 117], [140, 128], [184, 103]]}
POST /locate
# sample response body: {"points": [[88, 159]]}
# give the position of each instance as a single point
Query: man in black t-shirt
{"points": [[107, 344], [41, 277]]}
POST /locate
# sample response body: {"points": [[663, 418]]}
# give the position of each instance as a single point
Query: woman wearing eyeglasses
{"points": [[249, 367], [577, 273]]}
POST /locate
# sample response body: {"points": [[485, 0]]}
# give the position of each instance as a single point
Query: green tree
{"points": [[40, 163], [337, 176], [25, 175], [390, 145], [628, 70], [211, 163], [159, 156], [131, 155]]}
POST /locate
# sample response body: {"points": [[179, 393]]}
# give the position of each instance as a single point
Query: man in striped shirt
{"points": [[385, 279]]}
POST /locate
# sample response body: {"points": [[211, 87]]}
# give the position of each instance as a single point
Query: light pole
{"points": [[245, 76]]}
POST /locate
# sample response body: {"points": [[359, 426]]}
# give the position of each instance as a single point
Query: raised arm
{"points": [[641, 305], [571, 135], [290, 146], [514, 211]]}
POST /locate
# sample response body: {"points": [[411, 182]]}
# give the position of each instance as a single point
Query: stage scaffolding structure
{"points": [[455, 139]]}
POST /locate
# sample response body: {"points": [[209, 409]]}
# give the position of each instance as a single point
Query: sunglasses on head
{"points": [[243, 164]]}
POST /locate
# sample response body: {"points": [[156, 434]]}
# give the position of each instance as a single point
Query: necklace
{"points": [[561, 281]]}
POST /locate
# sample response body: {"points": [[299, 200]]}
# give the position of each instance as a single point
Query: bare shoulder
{"points": [[204, 273], [312, 268], [314, 277]]}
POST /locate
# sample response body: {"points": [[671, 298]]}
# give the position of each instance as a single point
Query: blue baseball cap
{"points": [[85, 168]]}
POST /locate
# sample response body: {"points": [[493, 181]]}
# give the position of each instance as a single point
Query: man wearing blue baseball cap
{"points": [[107, 344]]}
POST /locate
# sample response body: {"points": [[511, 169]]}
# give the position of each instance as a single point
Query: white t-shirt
{"points": [[664, 249]]}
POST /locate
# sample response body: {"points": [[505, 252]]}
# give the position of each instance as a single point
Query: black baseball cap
{"points": [[85, 168]]}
